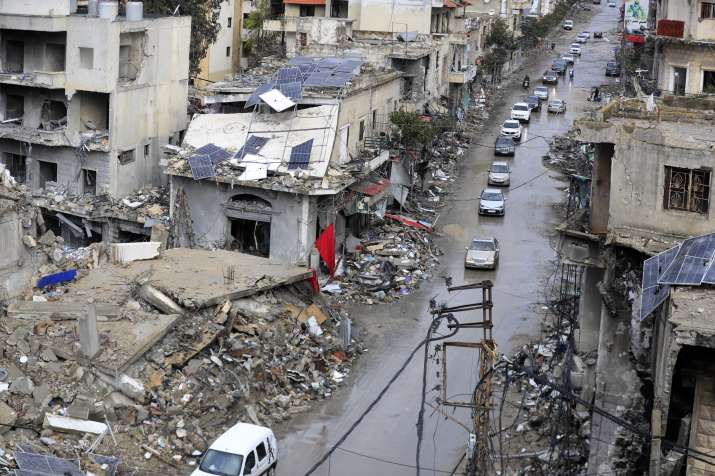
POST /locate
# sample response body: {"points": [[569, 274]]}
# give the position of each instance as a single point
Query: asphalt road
{"points": [[384, 444]]}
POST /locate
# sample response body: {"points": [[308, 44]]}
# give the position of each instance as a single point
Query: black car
{"points": [[559, 66], [533, 102], [504, 146], [613, 69], [598, 34], [550, 77]]}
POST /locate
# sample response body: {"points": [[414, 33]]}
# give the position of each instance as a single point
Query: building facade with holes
{"points": [[86, 102]]}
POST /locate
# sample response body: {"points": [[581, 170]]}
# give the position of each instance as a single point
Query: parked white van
{"points": [[244, 449]]}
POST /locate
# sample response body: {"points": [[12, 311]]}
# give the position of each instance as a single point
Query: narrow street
{"points": [[391, 331]]}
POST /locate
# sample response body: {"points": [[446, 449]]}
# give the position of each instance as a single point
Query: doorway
{"points": [[249, 222], [680, 79]]}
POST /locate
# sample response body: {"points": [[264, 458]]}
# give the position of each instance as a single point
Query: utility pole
{"points": [[478, 443]]}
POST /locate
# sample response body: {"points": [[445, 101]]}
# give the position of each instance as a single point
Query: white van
{"points": [[244, 449]]}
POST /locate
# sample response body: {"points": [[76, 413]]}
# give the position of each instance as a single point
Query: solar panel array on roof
{"points": [[214, 153], [300, 155], [317, 78], [288, 75], [296, 60], [254, 98], [33, 463], [653, 294], [348, 66], [294, 90], [306, 69], [253, 146], [201, 167], [691, 263]]}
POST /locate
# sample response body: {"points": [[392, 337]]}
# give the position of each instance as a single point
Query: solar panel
{"points": [[653, 294], [338, 80], [349, 66], [650, 272], [691, 261], [253, 145], [692, 271], [294, 91], [254, 98], [653, 297], [297, 60], [329, 62], [288, 75], [317, 78], [201, 167], [306, 69], [213, 152], [709, 277], [300, 155], [46, 464]]}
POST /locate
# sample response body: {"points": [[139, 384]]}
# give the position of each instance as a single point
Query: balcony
{"points": [[464, 76], [55, 138], [323, 30], [282, 24], [38, 79]]}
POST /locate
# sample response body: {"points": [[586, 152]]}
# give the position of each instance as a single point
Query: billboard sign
{"points": [[635, 16]]}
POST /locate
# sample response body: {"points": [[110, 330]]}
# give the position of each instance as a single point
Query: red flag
{"points": [[314, 282], [326, 247]]}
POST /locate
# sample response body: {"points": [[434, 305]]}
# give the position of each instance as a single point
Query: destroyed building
{"points": [[649, 190], [684, 62], [267, 179], [87, 99]]}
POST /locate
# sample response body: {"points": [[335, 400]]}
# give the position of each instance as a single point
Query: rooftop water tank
{"points": [[135, 11], [108, 10]]}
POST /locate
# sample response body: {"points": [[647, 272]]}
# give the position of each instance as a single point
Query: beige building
{"points": [[685, 35], [224, 55]]}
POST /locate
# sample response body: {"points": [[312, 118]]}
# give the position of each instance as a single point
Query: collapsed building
{"points": [[650, 190], [86, 102]]}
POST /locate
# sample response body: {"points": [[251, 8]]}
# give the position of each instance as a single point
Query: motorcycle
{"points": [[525, 84]]}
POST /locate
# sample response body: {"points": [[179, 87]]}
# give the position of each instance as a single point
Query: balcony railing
{"points": [[38, 79], [463, 76], [305, 24]]}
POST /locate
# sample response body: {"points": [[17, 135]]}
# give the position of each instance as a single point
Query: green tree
{"points": [[413, 130], [257, 39], [204, 23]]}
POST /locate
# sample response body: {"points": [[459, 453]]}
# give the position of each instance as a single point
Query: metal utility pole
{"points": [[478, 444]]}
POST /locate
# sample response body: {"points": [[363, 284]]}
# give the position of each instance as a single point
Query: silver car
{"points": [[541, 92], [499, 173], [557, 106], [483, 253], [492, 202]]}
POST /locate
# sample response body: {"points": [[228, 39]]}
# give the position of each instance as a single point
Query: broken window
{"points": [[249, 225], [86, 58], [307, 10], [361, 133], [303, 39], [48, 172], [709, 82], [687, 190], [228, 51], [147, 150], [53, 115], [680, 79], [93, 111], [55, 57], [127, 157], [14, 57], [14, 107], [261, 451], [228, 24], [89, 182], [707, 10], [17, 166]]}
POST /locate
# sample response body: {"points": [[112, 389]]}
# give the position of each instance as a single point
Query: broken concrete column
{"points": [[88, 333], [159, 300]]}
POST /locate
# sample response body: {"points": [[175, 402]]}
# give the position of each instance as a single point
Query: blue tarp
{"points": [[56, 278]]}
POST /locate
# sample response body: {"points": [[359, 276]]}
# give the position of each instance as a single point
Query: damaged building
{"points": [[87, 99], [268, 179], [649, 191]]}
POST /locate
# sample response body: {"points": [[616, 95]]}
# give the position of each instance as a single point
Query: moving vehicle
{"points": [[582, 38], [504, 145], [575, 49], [568, 24], [559, 66], [598, 34], [612, 4], [550, 77], [521, 112], [568, 59], [244, 449], [499, 173], [556, 105], [533, 102], [541, 92], [613, 69], [482, 253], [491, 202], [511, 128]]}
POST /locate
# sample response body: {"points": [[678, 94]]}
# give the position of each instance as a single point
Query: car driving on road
{"points": [[612, 4], [504, 145], [482, 253], [582, 38], [559, 66], [568, 59], [541, 92], [575, 49], [511, 128], [533, 102], [568, 24], [521, 112], [499, 173], [242, 449], [491, 202], [550, 77], [557, 106]]}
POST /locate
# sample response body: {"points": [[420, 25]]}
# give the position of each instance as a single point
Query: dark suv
{"points": [[533, 102], [504, 146], [559, 66], [613, 69]]}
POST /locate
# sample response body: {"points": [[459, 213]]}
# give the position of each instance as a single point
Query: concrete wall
{"points": [[388, 16], [689, 12], [35, 7], [293, 222], [16, 266], [696, 59], [37, 55], [102, 38]]}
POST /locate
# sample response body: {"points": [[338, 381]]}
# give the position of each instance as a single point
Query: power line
{"points": [[404, 465]]}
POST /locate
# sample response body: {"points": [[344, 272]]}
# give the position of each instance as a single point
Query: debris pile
{"points": [[569, 157]]}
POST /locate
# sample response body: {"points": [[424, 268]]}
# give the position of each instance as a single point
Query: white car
{"points": [[521, 112], [582, 38], [511, 128], [568, 24], [541, 92], [483, 253], [612, 4], [499, 173], [575, 49], [242, 449], [568, 59], [492, 202]]}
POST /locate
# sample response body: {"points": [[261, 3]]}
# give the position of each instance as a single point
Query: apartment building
{"points": [[685, 36], [86, 101], [224, 55]]}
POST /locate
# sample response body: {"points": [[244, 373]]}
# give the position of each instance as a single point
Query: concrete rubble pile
{"points": [[167, 380], [569, 157]]}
